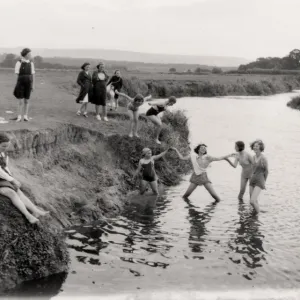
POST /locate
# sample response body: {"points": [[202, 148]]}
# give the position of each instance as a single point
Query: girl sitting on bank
{"points": [[146, 166], [10, 187], [133, 111], [156, 108], [115, 84], [200, 161], [84, 80]]}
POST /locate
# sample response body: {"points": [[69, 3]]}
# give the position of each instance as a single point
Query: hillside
{"points": [[118, 55]]}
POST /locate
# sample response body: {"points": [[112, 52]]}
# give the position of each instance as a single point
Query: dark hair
{"points": [[172, 99], [240, 145], [4, 138], [84, 65], [25, 51], [117, 71], [196, 150], [139, 98], [101, 63], [260, 143]]}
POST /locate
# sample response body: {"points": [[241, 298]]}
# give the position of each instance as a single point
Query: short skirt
{"points": [[199, 179]]}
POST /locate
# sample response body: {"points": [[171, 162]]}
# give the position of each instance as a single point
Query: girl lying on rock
{"points": [[133, 111], [10, 187], [146, 166]]}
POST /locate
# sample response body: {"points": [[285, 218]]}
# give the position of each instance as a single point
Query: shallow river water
{"points": [[176, 249]]}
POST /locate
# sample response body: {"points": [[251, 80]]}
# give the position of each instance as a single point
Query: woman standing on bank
{"points": [[24, 69], [99, 80], [115, 84], [260, 173], [86, 88]]}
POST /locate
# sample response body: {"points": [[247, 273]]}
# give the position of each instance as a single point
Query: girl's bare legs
{"points": [[154, 187], [26, 108], [143, 186], [131, 126], [212, 192], [97, 108], [242, 188], [112, 99], [135, 123], [104, 112], [20, 109], [15, 199], [190, 190], [254, 196], [157, 122], [29, 205]]}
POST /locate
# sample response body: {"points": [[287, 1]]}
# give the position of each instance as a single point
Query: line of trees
{"points": [[198, 70], [10, 60], [289, 62]]}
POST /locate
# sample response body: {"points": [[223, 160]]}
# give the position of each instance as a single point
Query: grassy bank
{"points": [[79, 169], [294, 103]]}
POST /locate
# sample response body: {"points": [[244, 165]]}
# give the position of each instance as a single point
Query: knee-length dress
{"points": [[86, 87], [99, 80], [25, 70]]}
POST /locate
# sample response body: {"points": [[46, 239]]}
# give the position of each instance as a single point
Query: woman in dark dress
{"points": [[115, 84], [99, 80], [86, 88], [25, 83]]}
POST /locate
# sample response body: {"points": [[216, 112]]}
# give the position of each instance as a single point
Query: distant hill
{"points": [[130, 56]]}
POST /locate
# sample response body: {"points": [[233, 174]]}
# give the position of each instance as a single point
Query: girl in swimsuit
{"points": [[133, 111], [115, 84], [245, 160], [157, 108], [146, 166], [260, 173], [10, 187], [200, 161]]}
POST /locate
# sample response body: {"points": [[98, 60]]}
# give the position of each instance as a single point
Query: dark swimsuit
{"points": [[154, 112], [148, 172]]}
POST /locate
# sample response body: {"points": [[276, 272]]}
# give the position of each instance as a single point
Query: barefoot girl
{"points": [[115, 83], [153, 112], [10, 187], [260, 173], [99, 91], [25, 83], [133, 111], [85, 82], [245, 160], [200, 161], [146, 165]]}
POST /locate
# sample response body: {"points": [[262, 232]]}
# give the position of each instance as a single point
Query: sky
{"points": [[240, 28]]}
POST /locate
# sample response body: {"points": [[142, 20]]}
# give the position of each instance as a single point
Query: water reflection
{"points": [[247, 245], [198, 220]]}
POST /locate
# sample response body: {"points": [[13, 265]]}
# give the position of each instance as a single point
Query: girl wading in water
{"points": [[146, 166], [99, 80], [115, 84], [10, 187], [133, 111], [260, 173], [157, 108], [25, 83], [86, 88], [245, 160], [200, 161]]}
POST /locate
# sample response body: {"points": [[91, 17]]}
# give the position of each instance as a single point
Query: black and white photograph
{"points": [[150, 149]]}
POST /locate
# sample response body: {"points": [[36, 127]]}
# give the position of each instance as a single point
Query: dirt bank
{"points": [[79, 175]]}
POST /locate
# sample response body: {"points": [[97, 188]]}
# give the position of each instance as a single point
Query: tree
{"points": [[198, 70], [217, 70], [295, 57], [172, 70], [9, 60]]}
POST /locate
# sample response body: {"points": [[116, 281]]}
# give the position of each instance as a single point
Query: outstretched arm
{"points": [[235, 163], [148, 98], [187, 157], [154, 157], [211, 158], [124, 95], [158, 102]]}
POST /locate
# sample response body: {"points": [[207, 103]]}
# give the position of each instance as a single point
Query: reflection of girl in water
{"points": [[245, 160], [146, 166], [260, 173], [201, 161]]}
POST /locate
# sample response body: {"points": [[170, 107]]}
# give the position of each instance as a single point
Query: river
{"points": [[176, 249]]}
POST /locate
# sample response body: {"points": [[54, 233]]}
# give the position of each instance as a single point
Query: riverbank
{"points": [[78, 169], [294, 103]]}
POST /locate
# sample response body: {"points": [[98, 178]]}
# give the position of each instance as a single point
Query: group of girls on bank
{"points": [[95, 87], [254, 170]]}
